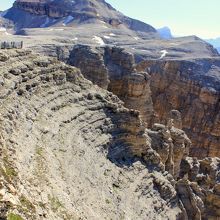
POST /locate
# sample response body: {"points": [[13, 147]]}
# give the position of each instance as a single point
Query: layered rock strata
{"points": [[76, 12], [113, 68], [57, 131], [192, 87], [189, 86], [71, 150], [205, 181]]}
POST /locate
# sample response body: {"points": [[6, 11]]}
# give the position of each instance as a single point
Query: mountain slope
{"points": [[71, 150], [35, 14]]}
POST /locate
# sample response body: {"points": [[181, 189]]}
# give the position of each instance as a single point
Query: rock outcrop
{"points": [[171, 144], [113, 68], [192, 87], [205, 179], [71, 150], [153, 88], [57, 131]]}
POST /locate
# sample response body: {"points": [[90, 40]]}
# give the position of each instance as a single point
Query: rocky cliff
{"points": [[105, 134], [71, 150], [192, 87], [113, 68], [57, 131], [156, 87]]}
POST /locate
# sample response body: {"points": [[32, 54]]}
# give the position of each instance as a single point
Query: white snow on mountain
{"points": [[67, 20], [98, 40], [164, 53], [47, 22], [136, 38], [106, 37]]}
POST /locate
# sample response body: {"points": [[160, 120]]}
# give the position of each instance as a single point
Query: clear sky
{"points": [[5, 4], [184, 17]]}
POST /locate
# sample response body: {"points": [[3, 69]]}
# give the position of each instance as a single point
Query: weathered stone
{"points": [[191, 87], [68, 144], [112, 68]]}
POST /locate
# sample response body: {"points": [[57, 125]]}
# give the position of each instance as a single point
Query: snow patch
{"points": [[75, 38], [136, 38], [106, 37], [7, 33], [58, 29], [67, 20], [98, 40], [112, 34], [2, 29], [164, 53]]}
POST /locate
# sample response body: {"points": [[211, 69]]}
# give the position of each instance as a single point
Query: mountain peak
{"points": [[165, 32], [46, 13]]}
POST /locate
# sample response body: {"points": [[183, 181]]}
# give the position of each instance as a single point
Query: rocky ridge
{"points": [[191, 87], [153, 88], [69, 148], [57, 131], [138, 152]]}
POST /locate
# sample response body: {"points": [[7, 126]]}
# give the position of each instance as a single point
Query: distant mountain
{"points": [[165, 32], [215, 42], [5, 23], [47, 13]]}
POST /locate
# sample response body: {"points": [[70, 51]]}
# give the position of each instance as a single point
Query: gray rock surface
{"points": [[73, 150], [33, 14], [70, 150]]}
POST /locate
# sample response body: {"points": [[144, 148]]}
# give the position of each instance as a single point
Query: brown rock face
{"points": [[171, 144], [67, 144], [113, 69], [167, 145], [59, 131], [192, 87], [204, 186]]}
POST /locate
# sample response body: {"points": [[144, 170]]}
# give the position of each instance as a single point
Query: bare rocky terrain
{"points": [[103, 119]]}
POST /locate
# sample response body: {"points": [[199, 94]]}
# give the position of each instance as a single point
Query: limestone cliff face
{"points": [[181, 85], [67, 145], [205, 179], [113, 68], [71, 150], [192, 87]]}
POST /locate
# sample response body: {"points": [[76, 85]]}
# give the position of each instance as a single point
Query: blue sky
{"points": [[184, 17]]}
